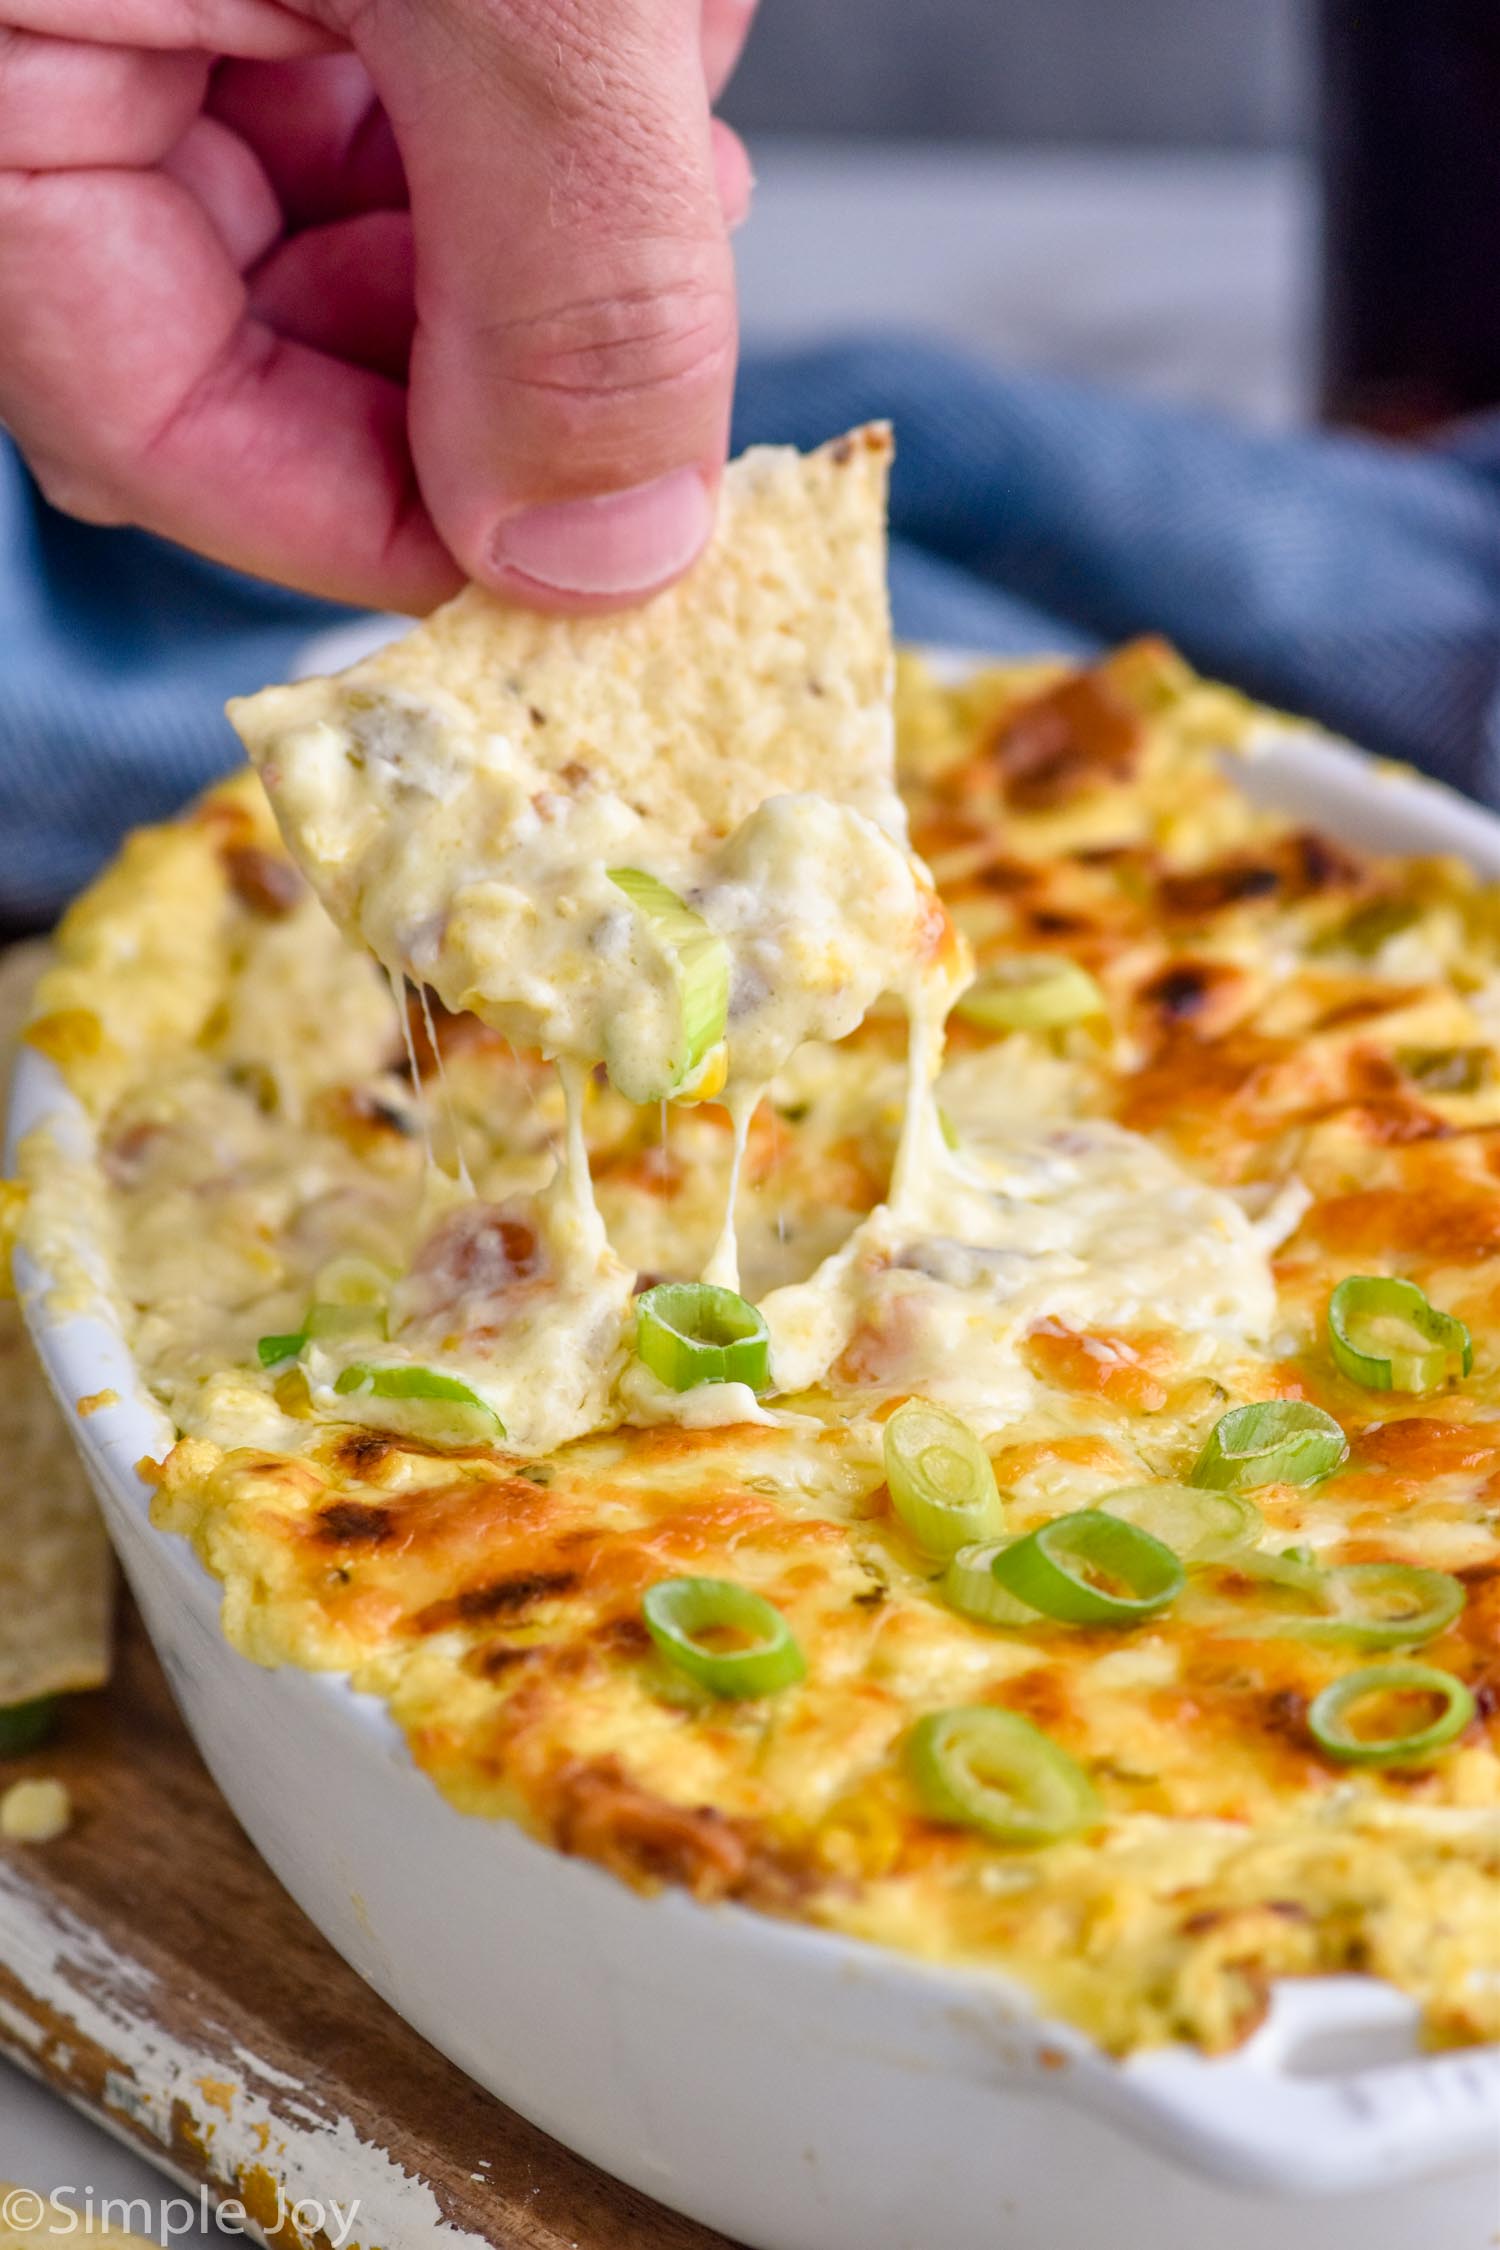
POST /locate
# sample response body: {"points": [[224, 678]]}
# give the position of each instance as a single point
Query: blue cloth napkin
{"points": [[1352, 580]]}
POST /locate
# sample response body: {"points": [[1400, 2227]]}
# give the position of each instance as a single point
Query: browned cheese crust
{"points": [[1281, 1009]]}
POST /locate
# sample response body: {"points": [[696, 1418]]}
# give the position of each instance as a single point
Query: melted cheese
{"points": [[1140, 1225], [1081, 1224], [474, 857], [527, 1305]]}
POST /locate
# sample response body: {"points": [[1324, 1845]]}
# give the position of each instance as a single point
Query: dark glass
{"points": [[1411, 190]]}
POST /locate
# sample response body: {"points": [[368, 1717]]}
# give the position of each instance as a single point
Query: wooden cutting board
{"points": [[154, 1972]]}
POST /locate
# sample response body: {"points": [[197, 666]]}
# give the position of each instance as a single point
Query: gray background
{"points": [[1223, 74]]}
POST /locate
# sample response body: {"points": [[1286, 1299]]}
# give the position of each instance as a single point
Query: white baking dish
{"points": [[801, 2091]]}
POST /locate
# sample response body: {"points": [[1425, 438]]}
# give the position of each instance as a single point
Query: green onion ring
{"points": [[679, 1611], [1328, 1715], [1381, 1605], [689, 1332], [323, 1324], [26, 1726], [1199, 1525], [971, 1587], [1030, 992], [1294, 1568], [1275, 1441], [983, 1768], [1441, 1347], [1058, 1568], [941, 1483], [698, 961], [426, 1403], [349, 1299], [328, 1323], [353, 1281]]}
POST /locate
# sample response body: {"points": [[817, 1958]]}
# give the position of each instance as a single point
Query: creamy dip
{"points": [[466, 813]]}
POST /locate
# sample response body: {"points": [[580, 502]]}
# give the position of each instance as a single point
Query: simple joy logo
{"points": [[79, 2211]]}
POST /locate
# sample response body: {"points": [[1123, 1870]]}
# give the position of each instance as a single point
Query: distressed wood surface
{"points": [[154, 1972]]}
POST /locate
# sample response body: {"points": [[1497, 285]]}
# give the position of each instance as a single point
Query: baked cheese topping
{"points": [[1290, 1081]]}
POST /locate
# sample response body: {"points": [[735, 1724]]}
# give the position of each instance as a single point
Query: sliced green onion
{"points": [[970, 1585], [349, 1299], [1276, 1441], [1382, 1605], [427, 1404], [367, 1381], [327, 1323], [1294, 1567], [698, 960], [353, 1281], [984, 1768], [26, 1726], [1355, 1605], [1330, 1716], [275, 1351], [1384, 1334], [1199, 1525], [689, 1332], [941, 1483], [1030, 992], [1090, 1568], [681, 1613]]}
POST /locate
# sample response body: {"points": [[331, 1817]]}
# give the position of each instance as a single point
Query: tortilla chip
{"points": [[56, 1573], [767, 669]]}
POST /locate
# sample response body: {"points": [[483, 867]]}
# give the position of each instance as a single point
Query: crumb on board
{"points": [[93, 1402], [35, 1812]]}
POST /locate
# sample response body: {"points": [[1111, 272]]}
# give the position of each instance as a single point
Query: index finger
{"points": [[220, 27]]}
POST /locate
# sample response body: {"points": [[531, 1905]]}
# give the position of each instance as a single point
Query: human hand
{"points": [[372, 295]]}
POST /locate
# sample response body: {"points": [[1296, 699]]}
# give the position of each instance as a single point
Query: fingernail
{"points": [[620, 544]]}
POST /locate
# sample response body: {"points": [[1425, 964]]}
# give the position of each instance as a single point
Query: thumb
{"points": [[575, 344]]}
